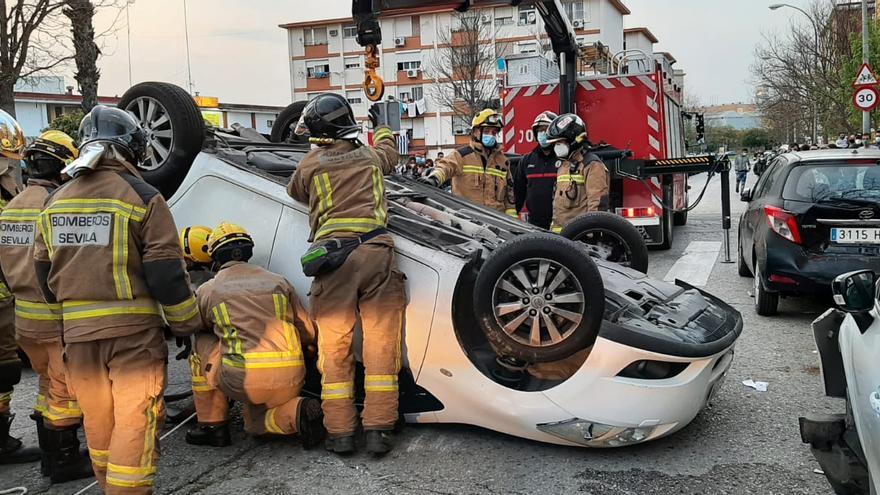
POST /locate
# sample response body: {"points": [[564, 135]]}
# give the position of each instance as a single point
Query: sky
{"points": [[239, 54]]}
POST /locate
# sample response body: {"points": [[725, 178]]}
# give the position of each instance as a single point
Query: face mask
{"points": [[488, 140], [542, 139], [561, 149]]}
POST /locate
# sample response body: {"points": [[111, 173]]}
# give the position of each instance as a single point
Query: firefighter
{"points": [[107, 251], [38, 325], [260, 329], [479, 172], [352, 260], [535, 177], [12, 143], [194, 243], [582, 180]]}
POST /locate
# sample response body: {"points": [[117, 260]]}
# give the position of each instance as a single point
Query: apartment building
{"points": [[324, 56]]}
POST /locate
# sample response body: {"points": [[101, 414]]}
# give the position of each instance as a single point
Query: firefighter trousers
{"points": [[366, 287], [120, 384], [54, 401], [10, 365], [269, 397]]}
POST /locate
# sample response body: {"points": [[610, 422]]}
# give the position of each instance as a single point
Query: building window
{"points": [[353, 97], [318, 69], [460, 125], [315, 36], [409, 65], [575, 11], [412, 93], [527, 15], [349, 31], [416, 26], [312, 96], [270, 123], [504, 21], [528, 48], [352, 62]]}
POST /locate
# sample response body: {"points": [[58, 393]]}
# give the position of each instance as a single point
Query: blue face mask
{"points": [[542, 139], [488, 140]]}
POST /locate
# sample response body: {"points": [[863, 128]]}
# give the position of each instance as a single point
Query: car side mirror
{"points": [[854, 291], [746, 194]]}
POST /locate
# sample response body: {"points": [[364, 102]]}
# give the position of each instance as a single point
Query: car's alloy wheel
{"points": [[154, 117], [538, 302], [607, 245]]}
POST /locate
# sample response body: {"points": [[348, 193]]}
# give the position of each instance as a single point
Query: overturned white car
{"points": [[488, 296]]}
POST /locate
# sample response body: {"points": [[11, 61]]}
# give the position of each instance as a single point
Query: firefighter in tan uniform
{"points": [[252, 350], [352, 260], [38, 324], [107, 251], [479, 172], [12, 451], [582, 181], [194, 242]]}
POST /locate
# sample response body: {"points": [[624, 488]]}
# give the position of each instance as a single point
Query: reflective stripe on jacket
{"points": [[582, 186], [478, 177]]}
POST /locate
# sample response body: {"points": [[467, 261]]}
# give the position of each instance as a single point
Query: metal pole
{"points": [[128, 39], [866, 55], [725, 207], [189, 74]]}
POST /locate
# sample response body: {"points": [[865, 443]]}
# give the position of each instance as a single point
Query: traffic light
{"points": [[701, 127]]}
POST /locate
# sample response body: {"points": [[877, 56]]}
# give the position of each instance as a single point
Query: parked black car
{"points": [[812, 216]]}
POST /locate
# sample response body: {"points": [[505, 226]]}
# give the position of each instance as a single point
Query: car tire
{"points": [[766, 303], [609, 237], [282, 131], [175, 127], [565, 298], [741, 267]]}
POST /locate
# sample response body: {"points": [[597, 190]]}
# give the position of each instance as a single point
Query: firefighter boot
{"points": [[310, 423], [66, 461], [211, 435], [378, 442], [340, 445], [43, 441], [11, 449]]}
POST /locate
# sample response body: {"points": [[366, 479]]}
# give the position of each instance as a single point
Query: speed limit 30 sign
{"points": [[866, 98]]}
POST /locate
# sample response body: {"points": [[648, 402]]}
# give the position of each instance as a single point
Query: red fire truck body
{"points": [[640, 112]]}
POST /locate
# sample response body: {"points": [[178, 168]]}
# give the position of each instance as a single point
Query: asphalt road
{"points": [[746, 442]]}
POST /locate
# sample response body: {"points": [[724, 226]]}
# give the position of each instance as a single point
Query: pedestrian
{"points": [[12, 451], [440, 156], [582, 181], [356, 277], [107, 251], [535, 178], [480, 171], [38, 324], [252, 349], [741, 166], [841, 142]]}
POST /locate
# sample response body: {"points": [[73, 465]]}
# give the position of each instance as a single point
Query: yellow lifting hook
{"points": [[373, 85]]}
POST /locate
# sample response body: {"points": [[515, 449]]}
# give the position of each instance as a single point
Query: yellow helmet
{"points": [[487, 118], [11, 137], [54, 143], [224, 234], [194, 242]]}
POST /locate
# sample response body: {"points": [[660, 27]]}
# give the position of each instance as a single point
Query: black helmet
{"points": [[115, 126], [328, 115], [568, 127]]}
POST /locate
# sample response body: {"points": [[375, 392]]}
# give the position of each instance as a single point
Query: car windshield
{"points": [[833, 181]]}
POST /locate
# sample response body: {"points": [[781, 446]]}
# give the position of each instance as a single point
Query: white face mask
{"points": [[561, 149]]}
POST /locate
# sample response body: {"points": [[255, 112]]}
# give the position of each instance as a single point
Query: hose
{"points": [[691, 206]]}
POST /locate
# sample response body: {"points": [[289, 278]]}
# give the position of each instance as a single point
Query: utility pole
{"points": [[866, 53], [189, 75]]}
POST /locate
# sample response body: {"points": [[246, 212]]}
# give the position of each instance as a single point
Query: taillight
{"points": [[636, 212], [783, 223]]}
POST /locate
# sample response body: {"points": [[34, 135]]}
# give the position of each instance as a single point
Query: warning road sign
{"points": [[865, 77], [866, 98]]}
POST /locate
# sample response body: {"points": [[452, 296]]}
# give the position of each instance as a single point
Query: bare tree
{"points": [[464, 65], [29, 43]]}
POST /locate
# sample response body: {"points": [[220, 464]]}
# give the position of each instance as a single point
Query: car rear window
{"points": [[818, 181]]}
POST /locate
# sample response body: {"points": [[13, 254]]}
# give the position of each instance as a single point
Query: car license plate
{"points": [[855, 235]]}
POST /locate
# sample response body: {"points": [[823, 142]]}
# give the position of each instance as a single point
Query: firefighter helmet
{"points": [[487, 118], [12, 140], [49, 154], [543, 119], [225, 234], [567, 127], [328, 115], [194, 242], [117, 127]]}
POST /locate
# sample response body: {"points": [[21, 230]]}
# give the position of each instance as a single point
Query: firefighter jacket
{"points": [[260, 321], [107, 250], [534, 180], [477, 176], [34, 317], [581, 187], [344, 187], [8, 189]]}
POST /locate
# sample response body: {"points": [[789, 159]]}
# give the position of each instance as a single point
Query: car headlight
{"points": [[593, 434]]}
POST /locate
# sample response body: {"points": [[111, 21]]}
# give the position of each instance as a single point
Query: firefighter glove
{"points": [[431, 180], [186, 344]]}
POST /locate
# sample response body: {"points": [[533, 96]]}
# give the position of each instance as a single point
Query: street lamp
{"points": [[777, 6]]}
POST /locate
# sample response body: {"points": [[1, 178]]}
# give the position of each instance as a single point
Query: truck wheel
{"points": [[282, 129], [679, 218], [539, 298], [667, 230], [175, 130], [766, 303], [609, 237]]}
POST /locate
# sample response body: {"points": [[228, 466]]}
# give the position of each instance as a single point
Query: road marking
{"points": [[695, 264]]}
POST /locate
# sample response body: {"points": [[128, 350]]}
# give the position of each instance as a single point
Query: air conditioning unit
{"points": [[413, 73], [399, 41], [334, 32], [486, 19], [578, 24]]}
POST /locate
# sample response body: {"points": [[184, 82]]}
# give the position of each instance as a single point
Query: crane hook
{"points": [[374, 86]]}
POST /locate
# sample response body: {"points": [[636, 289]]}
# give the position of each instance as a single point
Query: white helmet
{"points": [[544, 118]]}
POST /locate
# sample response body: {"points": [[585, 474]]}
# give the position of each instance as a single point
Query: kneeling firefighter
{"points": [[107, 251], [252, 349], [194, 243], [582, 181], [352, 260], [38, 324]]}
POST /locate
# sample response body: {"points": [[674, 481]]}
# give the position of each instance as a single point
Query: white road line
{"points": [[695, 264]]}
